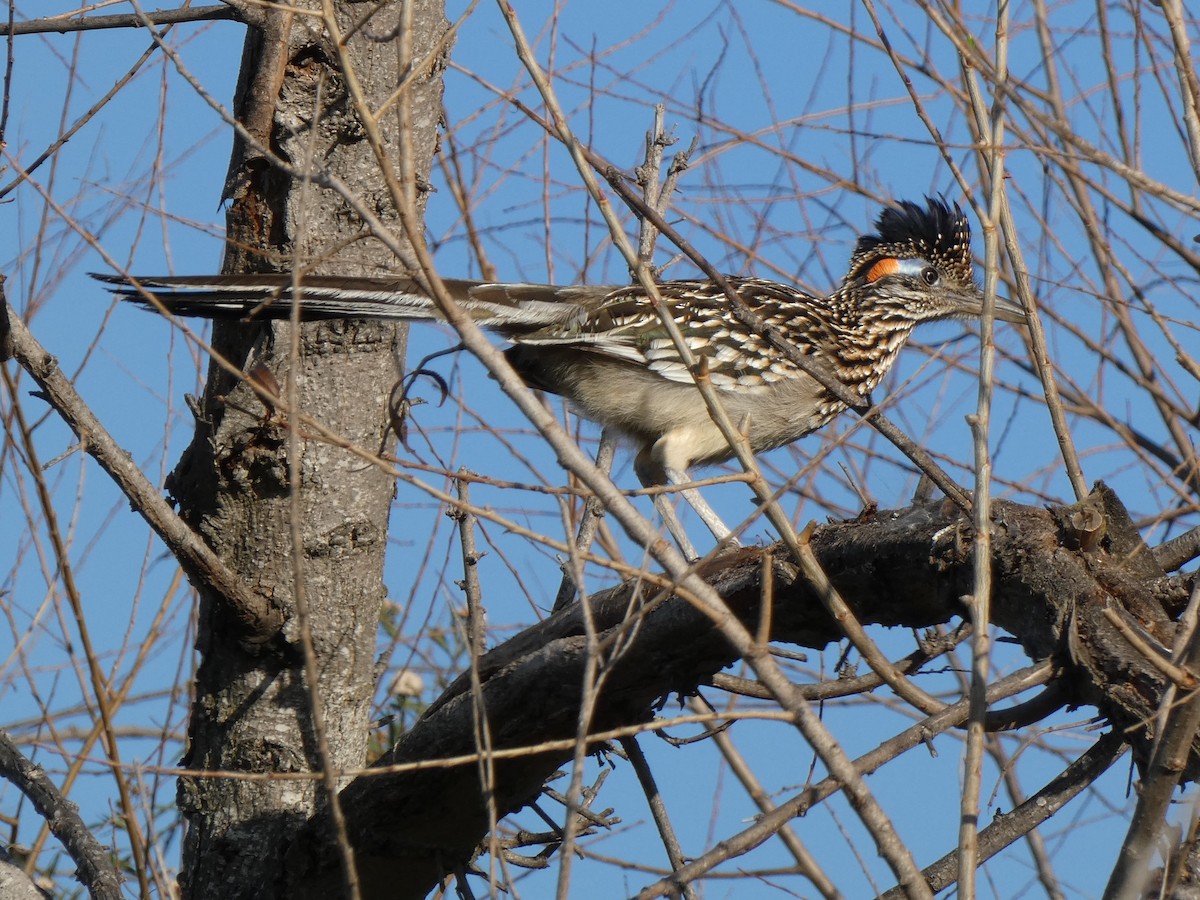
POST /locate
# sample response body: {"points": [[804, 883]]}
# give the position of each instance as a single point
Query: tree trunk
{"points": [[252, 710]]}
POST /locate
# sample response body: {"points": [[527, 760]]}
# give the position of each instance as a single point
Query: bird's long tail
{"points": [[515, 307]]}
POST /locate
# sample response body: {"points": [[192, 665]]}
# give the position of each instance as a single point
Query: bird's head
{"points": [[918, 268]]}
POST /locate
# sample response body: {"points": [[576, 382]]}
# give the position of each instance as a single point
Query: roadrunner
{"points": [[605, 349]]}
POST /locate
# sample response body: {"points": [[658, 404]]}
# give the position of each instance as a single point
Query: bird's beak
{"points": [[1004, 310], [1007, 311]]}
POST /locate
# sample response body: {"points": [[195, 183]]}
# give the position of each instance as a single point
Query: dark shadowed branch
{"points": [[97, 870], [1056, 571]]}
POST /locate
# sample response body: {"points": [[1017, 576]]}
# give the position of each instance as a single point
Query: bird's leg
{"points": [[652, 473], [662, 503], [707, 514], [654, 467]]}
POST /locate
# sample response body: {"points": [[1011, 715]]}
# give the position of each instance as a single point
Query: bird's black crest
{"points": [[938, 232]]}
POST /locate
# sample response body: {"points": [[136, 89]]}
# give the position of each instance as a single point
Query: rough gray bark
{"points": [[1057, 571], [252, 711], [15, 884]]}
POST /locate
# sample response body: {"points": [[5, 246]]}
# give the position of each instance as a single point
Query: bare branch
{"points": [[97, 870], [231, 11]]}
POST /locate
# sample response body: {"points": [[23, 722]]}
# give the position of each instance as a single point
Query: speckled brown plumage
{"points": [[605, 349]]}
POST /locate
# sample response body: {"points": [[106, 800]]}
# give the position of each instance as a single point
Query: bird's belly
{"points": [[646, 407], [778, 414], [639, 404]]}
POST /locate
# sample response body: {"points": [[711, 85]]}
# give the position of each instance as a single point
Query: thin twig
{"points": [[1189, 84], [1178, 676], [991, 126], [970, 56], [658, 809], [105, 707], [476, 634]]}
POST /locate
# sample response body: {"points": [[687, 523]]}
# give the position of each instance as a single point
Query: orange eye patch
{"points": [[890, 265], [887, 266]]}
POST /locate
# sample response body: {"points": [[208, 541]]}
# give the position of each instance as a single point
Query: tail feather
{"points": [[272, 296], [505, 307]]}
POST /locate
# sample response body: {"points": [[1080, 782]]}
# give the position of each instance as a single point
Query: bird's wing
{"points": [[623, 325]]}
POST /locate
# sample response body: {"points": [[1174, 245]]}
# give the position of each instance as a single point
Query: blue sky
{"points": [[787, 114]]}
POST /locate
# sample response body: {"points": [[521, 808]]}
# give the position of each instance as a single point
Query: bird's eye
{"points": [[930, 275]]}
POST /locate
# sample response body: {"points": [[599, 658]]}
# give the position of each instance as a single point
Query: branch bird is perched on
{"points": [[605, 349]]}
